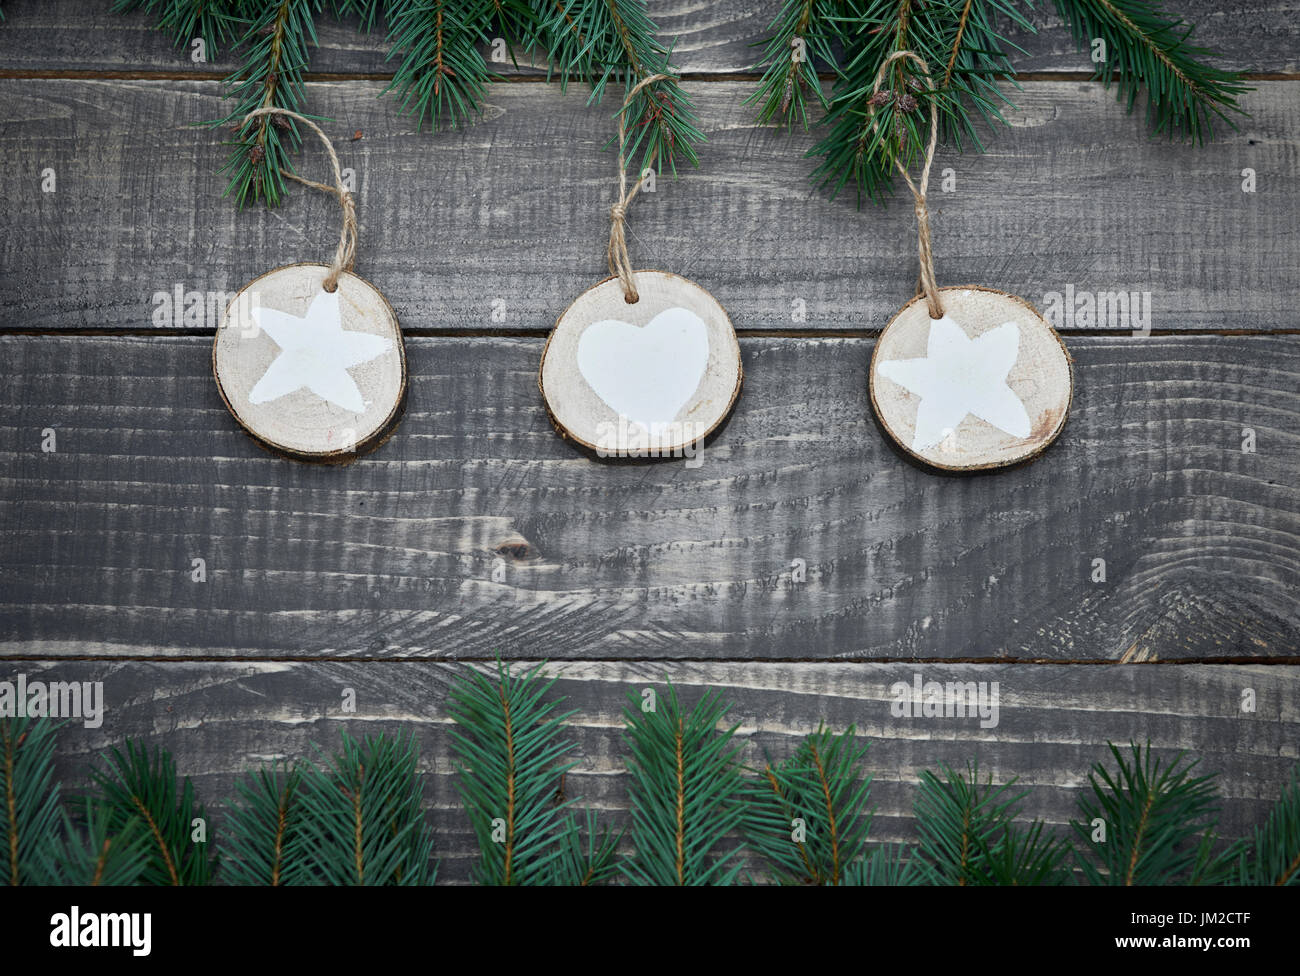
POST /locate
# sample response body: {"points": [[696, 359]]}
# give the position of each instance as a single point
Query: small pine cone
{"points": [[256, 155], [880, 98], [907, 103], [279, 121]]}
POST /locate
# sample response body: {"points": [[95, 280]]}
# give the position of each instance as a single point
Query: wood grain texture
{"points": [[476, 530], [220, 720], [716, 37], [501, 226]]}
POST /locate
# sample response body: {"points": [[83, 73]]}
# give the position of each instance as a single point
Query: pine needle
{"points": [[888, 865], [441, 75], [801, 39]]}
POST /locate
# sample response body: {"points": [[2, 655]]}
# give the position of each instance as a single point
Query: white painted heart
{"points": [[646, 374]]}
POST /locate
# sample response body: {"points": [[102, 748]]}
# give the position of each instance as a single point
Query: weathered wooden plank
{"points": [[714, 38], [1258, 37], [475, 530], [1052, 723], [501, 227]]}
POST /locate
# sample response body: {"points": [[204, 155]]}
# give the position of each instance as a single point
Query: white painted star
{"points": [[315, 353], [959, 376]]}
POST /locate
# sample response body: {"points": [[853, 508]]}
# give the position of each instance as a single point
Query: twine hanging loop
{"points": [[619, 263], [926, 283], [346, 253]]}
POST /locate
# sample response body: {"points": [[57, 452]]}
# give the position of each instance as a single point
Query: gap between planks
{"points": [[1282, 661]]}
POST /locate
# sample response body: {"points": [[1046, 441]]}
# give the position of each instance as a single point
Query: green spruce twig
{"points": [[604, 41], [686, 790], [801, 38], [29, 799], [1150, 50], [1146, 822], [510, 753], [263, 837], [809, 815], [275, 51], [962, 42], [137, 785], [441, 76], [968, 837], [91, 854], [362, 816], [588, 853], [889, 865]]}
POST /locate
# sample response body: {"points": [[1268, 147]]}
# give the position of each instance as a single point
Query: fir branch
{"points": [[1155, 818], [1273, 856], [90, 854], [603, 41], [510, 751], [361, 817], [801, 38], [139, 786], [1147, 48], [215, 21], [264, 840], [29, 799], [964, 46], [685, 791], [275, 53], [442, 75], [968, 836], [820, 794]]}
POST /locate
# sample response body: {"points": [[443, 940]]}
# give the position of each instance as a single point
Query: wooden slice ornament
{"points": [[966, 378], [309, 357], [644, 363]]}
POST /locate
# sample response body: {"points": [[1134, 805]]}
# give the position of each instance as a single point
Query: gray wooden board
{"points": [[222, 719], [395, 555], [715, 37], [502, 226]]}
